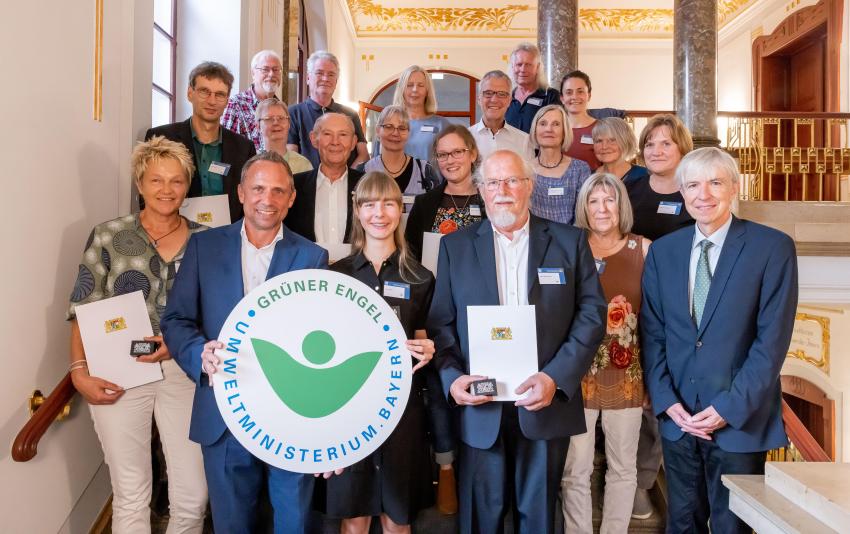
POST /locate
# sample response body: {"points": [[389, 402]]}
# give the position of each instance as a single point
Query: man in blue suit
{"points": [[216, 272], [516, 258], [719, 301]]}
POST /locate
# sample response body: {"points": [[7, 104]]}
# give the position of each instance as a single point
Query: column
{"points": [[284, 76], [557, 37], [695, 68]]}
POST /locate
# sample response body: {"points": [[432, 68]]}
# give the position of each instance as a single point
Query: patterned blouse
{"points": [[456, 212], [615, 378], [119, 258], [555, 198]]}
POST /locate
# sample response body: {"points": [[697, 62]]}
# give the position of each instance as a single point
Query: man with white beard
{"points": [[239, 116], [512, 454]]}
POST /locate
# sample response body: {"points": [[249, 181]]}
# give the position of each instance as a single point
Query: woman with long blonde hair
{"points": [[394, 482], [415, 93]]}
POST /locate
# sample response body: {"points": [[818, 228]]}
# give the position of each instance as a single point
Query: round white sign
{"points": [[315, 373]]}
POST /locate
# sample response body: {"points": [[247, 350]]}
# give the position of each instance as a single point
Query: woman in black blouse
{"points": [[395, 481], [454, 203]]}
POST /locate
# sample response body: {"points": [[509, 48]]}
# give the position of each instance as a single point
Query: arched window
{"points": [[456, 100]]}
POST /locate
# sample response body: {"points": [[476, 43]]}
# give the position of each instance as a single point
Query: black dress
{"points": [[652, 219], [395, 479]]}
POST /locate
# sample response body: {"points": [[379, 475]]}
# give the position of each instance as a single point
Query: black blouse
{"points": [[411, 311]]}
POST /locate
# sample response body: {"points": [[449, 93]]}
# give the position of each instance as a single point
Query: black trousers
{"points": [[516, 471], [693, 467]]}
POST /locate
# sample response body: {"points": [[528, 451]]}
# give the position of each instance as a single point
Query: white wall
{"points": [[64, 172]]}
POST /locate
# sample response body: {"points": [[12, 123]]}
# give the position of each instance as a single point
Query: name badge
{"points": [[220, 168], [535, 101], [669, 208], [556, 191], [586, 140], [551, 276], [408, 199], [397, 290], [426, 128], [475, 210], [600, 266]]}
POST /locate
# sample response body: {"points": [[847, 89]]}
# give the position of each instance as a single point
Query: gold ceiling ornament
{"points": [[429, 19], [626, 20], [726, 9]]}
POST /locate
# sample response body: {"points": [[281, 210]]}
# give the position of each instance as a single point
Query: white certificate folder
{"points": [[108, 327], [503, 345], [212, 211]]}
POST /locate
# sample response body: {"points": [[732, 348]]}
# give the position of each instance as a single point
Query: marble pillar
{"points": [[695, 68], [284, 77], [557, 37]]}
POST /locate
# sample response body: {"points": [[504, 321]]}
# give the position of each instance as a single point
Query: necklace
{"points": [[550, 166], [465, 204], [163, 236], [394, 173]]}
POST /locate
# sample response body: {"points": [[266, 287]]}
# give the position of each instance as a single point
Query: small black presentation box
{"points": [[485, 387], [141, 347]]}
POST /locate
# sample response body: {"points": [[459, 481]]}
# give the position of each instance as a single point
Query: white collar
{"points": [[277, 238], [518, 234], [717, 238], [321, 178]]}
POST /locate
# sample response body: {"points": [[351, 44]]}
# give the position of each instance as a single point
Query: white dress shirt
{"points": [[506, 138], [331, 208], [512, 266], [256, 261], [717, 239]]}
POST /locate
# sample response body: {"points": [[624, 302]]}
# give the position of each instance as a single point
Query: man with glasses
{"points": [[218, 153], [322, 76], [512, 454], [239, 116], [492, 132]]}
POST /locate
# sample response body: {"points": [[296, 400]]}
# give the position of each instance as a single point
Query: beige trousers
{"points": [[621, 428], [124, 429]]}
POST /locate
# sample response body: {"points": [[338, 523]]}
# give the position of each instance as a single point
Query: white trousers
{"points": [[621, 428], [124, 429]]}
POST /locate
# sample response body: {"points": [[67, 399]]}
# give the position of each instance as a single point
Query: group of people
{"points": [[659, 314]]}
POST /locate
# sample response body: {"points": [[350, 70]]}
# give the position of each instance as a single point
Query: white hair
{"points": [[319, 55], [705, 161], [262, 54], [527, 170], [532, 49]]}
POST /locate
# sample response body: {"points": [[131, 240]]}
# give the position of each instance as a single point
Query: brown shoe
{"points": [[447, 492]]}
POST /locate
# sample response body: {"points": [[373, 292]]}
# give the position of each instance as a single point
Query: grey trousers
{"points": [[649, 451]]}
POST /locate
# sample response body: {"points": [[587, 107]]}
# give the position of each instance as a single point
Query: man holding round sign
{"points": [[204, 306], [516, 259]]}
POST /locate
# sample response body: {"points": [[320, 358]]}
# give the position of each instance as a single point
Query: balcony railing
{"points": [[783, 155]]}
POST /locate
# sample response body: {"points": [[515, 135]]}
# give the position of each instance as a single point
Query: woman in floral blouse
{"points": [[613, 387], [454, 203]]}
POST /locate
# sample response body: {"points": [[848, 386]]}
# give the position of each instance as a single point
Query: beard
{"points": [[270, 86]]}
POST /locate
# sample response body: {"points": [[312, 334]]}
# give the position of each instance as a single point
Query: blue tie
{"points": [[702, 281]]}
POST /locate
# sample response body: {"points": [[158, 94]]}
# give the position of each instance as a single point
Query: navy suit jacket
{"points": [[208, 286], [570, 322], [732, 359], [235, 151]]}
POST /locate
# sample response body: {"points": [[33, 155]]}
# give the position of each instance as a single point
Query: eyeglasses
{"points": [[455, 154], [495, 94], [205, 93], [329, 74], [395, 129], [512, 182], [268, 70], [276, 119]]}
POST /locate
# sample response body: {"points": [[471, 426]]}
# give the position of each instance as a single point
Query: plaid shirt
{"points": [[238, 116]]}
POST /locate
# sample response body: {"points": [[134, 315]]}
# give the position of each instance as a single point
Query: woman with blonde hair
{"points": [[415, 93], [612, 389], [141, 252], [394, 482], [558, 176], [615, 146]]}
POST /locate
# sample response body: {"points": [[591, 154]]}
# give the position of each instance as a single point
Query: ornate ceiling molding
{"points": [[372, 19]]}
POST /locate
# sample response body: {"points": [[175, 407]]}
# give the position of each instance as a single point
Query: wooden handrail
{"points": [[25, 446], [809, 448]]}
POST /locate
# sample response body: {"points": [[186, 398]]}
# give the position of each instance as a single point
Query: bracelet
{"points": [[76, 366], [75, 362]]}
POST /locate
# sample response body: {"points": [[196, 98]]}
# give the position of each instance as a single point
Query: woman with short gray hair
{"points": [[615, 146], [273, 118], [613, 388]]}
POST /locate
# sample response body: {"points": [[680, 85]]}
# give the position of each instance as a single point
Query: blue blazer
{"points": [[732, 359], [570, 322], [208, 286]]}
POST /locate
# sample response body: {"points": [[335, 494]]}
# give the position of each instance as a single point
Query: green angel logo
{"points": [[313, 391]]}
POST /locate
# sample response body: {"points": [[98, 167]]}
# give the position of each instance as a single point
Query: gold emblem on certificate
{"points": [[203, 217], [500, 333], [114, 325]]}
